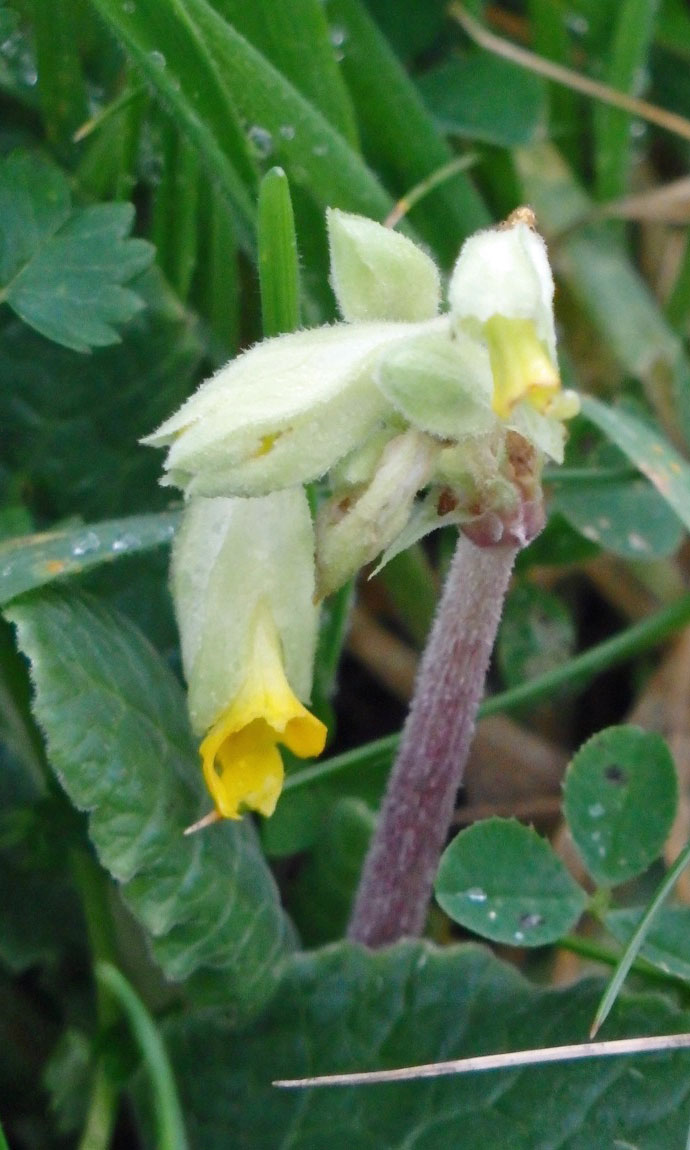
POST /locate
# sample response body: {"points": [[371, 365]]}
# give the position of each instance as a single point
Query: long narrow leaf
{"points": [[294, 133], [166, 47]]}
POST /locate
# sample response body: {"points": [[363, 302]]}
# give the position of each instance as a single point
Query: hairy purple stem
{"points": [[400, 868]]}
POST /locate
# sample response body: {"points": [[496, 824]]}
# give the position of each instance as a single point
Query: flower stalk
{"points": [[417, 810]]}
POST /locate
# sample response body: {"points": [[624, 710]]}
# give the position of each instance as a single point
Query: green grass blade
{"points": [[663, 466], [278, 261], [170, 1132], [678, 303], [175, 210], [31, 561], [61, 87], [165, 45], [633, 947], [298, 42], [626, 645], [628, 54], [399, 134], [313, 154], [550, 39]]}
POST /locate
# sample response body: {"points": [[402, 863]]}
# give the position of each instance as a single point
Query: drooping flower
{"points": [[243, 587]]}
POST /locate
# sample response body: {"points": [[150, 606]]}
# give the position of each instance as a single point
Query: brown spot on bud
{"points": [[447, 502]]}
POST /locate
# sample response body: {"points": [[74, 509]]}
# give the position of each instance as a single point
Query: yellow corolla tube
{"points": [[521, 365], [501, 292], [241, 761], [244, 588]]}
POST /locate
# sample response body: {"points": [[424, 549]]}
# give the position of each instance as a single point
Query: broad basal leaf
{"points": [[344, 1009], [117, 737], [61, 269]]}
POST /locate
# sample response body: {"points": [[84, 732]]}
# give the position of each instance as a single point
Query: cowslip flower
{"points": [[243, 588], [396, 400]]}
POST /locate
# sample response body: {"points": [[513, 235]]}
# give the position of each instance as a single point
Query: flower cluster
{"points": [[412, 419]]}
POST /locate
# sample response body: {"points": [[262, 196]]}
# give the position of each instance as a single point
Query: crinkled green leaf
{"points": [[118, 739], [73, 444], [321, 897], [62, 270], [30, 561], [467, 97], [620, 798], [501, 880], [35, 202], [345, 1008]]}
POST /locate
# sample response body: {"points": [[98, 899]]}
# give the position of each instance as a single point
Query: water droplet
{"points": [[531, 920], [636, 542], [590, 533], [86, 544], [129, 7], [124, 543], [602, 851], [338, 38], [519, 936], [576, 24], [261, 140], [492, 915], [157, 58], [596, 810], [287, 131], [476, 894]]}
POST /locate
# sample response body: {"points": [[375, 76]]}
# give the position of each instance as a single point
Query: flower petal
{"points": [[241, 763], [280, 414], [505, 271], [229, 556]]}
